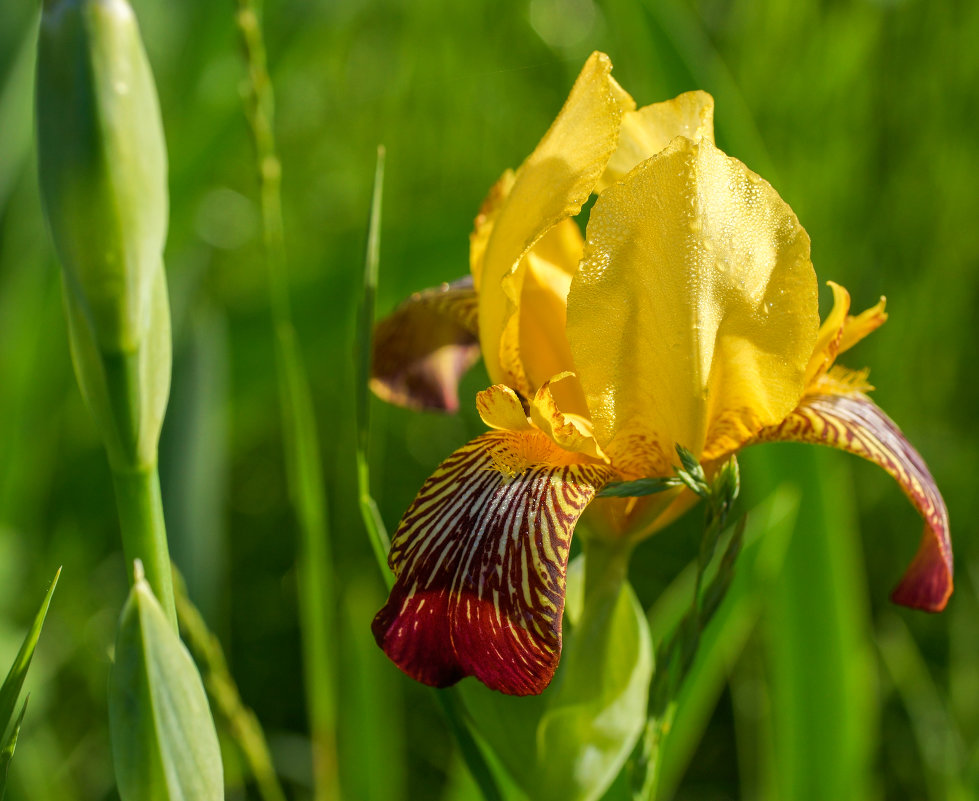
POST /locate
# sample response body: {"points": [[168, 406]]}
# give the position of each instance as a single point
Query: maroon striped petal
{"points": [[480, 559], [852, 422], [423, 348]]}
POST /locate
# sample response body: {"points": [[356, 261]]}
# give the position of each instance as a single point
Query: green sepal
{"points": [[127, 393], [164, 744], [102, 163], [638, 488], [103, 175], [570, 742]]}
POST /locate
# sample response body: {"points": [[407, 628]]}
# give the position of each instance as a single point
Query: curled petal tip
{"points": [[852, 422], [927, 584]]}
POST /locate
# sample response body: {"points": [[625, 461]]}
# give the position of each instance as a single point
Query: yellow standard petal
{"points": [[550, 186], [648, 130], [694, 312]]}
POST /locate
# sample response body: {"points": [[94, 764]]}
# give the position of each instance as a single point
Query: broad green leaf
{"points": [[18, 671], [570, 742], [164, 745], [8, 746], [817, 628]]}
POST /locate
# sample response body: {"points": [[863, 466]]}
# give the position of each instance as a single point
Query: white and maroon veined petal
{"points": [[480, 559], [854, 423], [424, 347]]}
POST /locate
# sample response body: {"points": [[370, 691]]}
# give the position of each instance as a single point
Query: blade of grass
{"points": [[817, 638], [10, 690], [240, 720], [16, 116], [8, 747], [940, 744], [302, 453], [376, 530], [380, 542]]}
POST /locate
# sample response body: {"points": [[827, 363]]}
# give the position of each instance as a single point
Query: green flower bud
{"points": [[102, 160], [103, 173]]}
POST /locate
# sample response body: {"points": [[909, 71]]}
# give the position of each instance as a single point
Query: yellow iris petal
{"points": [[856, 328], [839, 332], [571, 431], [534, 346], [694, 312], [501, 409], [551, 185], [648, 130]]}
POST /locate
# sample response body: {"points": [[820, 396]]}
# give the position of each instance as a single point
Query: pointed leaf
{"points": [[18, 671], [8, 747], [164, 745]]}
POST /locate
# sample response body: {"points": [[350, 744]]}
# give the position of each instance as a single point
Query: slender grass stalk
{"points": [[376, 531], [448, 700], [302, 453], [241, 721]]}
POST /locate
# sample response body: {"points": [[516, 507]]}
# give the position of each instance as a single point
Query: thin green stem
{"points": [[448, 699], [302, 454], [606, 568], [241, 721], [144, 534]]}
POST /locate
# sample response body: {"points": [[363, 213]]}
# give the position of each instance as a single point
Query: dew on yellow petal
{"points": [[694, 313], [550, 186], [648, 130]]}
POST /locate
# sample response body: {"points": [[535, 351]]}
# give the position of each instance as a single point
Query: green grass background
{"points": [[862, 113]]}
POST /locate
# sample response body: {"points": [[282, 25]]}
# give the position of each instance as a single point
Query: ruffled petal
{"points": [[852, 422], [423, 348], [550, 186], [480, 559], [571, 431], [648, 130], [840, 331], [693, 314], [501, 408]]}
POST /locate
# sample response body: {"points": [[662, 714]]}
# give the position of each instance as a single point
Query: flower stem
{"points": [[317, 585], [606, 568], [144, 534]]}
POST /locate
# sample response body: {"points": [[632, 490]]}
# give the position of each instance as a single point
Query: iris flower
{"points": [[687, 315]]}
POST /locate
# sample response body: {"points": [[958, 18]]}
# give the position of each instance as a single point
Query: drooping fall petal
{"points": [[694, 312], [852, 422], [480, 559], [423, 348], [648, 130], [551, 185]]}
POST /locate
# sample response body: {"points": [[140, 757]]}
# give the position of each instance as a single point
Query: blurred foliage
{"points": [[860, 112]]}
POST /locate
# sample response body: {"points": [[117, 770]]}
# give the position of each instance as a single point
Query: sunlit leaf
{"points": [[18, 671], [164, 745], [7, 748], [570, 742]]}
